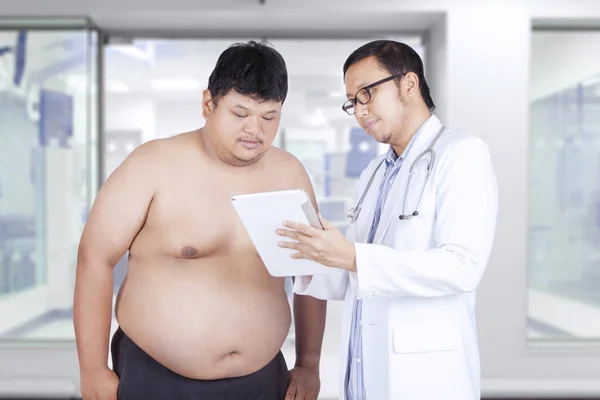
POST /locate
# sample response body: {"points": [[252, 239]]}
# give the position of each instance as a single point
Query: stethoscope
{"points": [[354, 211]]}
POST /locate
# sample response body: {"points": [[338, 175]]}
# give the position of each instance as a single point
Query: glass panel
{"points": [[47, 128], [564, 222], [154, 90]]}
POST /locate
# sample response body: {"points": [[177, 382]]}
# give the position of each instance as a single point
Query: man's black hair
{"points": [[251, 69], [398, 58]]}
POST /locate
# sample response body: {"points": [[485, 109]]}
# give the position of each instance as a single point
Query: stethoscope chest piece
{"points": [[409, 216], [354, 211], [353, 214]]}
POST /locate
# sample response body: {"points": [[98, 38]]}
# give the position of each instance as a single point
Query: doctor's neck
{"points": [[412, 121]]}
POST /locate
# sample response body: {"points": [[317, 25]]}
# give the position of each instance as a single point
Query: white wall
{"points": [[173, 117], [487, 95], [436, 66], [130, 112], [562, 59], [155, 118]]}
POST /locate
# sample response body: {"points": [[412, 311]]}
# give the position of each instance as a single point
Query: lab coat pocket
{"points": [[424, 359], [424, 337]]}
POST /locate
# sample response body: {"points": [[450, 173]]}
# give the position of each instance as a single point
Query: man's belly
{"points": [[202, 324]]}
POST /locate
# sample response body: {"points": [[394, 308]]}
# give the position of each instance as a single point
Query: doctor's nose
{"points": [[361, 110]]}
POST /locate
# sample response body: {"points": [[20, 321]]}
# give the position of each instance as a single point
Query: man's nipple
{"points": [[189, 252]]}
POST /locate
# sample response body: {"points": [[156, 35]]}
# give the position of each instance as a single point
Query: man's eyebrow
{"points": [[247, 109], [360, 86]]}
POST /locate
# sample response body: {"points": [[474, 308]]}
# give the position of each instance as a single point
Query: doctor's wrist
{"points": [[350, 264]]}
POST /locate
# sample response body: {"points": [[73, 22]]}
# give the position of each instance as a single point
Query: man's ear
{"points": [[412, 84], [208, 105]]}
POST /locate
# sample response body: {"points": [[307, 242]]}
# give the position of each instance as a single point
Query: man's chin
{"points": [[246, 159], [381, 138]]}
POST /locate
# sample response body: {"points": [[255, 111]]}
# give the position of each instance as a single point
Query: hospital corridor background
{"points": [[83, 84]]}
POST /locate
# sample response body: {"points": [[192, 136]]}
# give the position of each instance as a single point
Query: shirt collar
{"points": [[391, 157]]}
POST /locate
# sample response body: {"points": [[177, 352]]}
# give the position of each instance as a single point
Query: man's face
{"points": [[242, 128], [382, 117]]}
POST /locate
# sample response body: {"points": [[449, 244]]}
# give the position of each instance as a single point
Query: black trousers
{"points": [[143, 378]]}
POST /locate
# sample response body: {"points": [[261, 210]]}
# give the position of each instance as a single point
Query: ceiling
{"points": [[208, 16]]}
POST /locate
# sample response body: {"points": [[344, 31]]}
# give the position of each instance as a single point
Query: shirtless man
{"points": [[199, 315]]}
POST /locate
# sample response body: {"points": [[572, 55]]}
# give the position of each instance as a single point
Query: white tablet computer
{"points": [[263, 213]]}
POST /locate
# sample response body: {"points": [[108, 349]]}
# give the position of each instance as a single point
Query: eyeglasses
{"points": [[363, 96]]}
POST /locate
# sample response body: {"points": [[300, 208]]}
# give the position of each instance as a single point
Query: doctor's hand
{"points": [[327, 246]]}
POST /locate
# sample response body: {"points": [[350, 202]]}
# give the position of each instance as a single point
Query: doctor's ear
{"points": [[411, 84], [208, 104]]}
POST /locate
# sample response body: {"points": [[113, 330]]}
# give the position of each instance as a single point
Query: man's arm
{"points": [[309, 312], [309, 317], [309, 321], [116, 217]]}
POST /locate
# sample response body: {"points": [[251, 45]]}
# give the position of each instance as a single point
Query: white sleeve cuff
{"points": [[331, 286]]}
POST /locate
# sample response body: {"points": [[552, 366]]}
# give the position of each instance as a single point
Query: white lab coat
{"points": [[418, 278]]}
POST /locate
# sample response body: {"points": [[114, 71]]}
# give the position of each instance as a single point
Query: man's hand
{"points": [[304, 384], [100, 385]]}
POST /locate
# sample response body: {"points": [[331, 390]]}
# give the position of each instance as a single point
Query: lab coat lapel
{"points": [[365, 218], [395, 198]]}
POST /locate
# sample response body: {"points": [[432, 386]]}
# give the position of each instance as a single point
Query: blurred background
{"points": [[83, 84]]}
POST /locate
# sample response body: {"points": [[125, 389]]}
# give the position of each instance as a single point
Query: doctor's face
{"points": [[385, 112]]}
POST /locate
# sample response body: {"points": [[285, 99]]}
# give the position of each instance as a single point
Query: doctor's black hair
{"points": [[397, 58], [251, 69]]}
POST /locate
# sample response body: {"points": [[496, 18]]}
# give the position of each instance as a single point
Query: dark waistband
{"points": [[125, 352]]}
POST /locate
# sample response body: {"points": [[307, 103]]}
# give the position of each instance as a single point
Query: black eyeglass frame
{"points": [[351, 103]]}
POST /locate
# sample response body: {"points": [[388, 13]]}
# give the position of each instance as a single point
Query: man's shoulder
{"points": [[155, 150], [289, 168], [453, 139], [285, 159], [457, 146], [152, 147]]}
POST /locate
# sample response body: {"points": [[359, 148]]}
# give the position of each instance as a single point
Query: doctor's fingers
{"points": [[298, 237], [293, 246], [302, 228], [303, 244], [290, 234]]}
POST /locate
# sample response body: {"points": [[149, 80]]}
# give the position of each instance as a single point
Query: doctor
{"points": [[418, 244]]}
